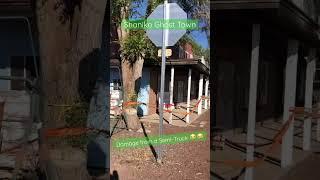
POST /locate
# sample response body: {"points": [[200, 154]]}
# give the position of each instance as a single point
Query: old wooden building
{"points": [[265, 60]]}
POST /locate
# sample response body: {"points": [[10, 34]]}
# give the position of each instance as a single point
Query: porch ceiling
{"points": [[195, 63], [279, 13], [243, 4], [16, 7]]}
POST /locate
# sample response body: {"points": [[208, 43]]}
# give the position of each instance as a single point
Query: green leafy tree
{"points": [[135, 46]]}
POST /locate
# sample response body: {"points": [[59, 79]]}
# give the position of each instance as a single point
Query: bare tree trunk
{"points": [[129, 113], [127, 78], [61, 50], [137, 73], [54, 40], [131, 74]]}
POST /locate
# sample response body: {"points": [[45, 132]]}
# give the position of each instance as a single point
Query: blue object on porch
{"points": [[143, 95]]}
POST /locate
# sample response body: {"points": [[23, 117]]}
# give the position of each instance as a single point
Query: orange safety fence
{"points": [[16, 147], [192, 108], [277, 140], [77, 131], [126, 104], [167, 105], [62, 132], [240, 143]]}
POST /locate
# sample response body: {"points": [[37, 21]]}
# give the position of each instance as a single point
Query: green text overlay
{"points": [[154, 24], [159, 140]]}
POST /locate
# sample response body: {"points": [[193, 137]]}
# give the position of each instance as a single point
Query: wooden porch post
{"points": [[318, 125], [188, 96], [289, 101], [252, 97], [311, 67], [200, 93], [171, 93], [206, 93]]}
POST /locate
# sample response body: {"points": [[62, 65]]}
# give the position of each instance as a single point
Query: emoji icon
{"points": [[200, 135], [193, 136]]}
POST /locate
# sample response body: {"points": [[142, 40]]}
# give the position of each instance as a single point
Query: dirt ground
{"points": [[189, 160], [306, 170]]}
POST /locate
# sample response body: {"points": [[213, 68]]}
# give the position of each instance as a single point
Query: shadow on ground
{"points": [[150, 145], [114, 176]]}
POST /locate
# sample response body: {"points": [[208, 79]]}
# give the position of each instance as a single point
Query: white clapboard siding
{"points": [[16, 114]]}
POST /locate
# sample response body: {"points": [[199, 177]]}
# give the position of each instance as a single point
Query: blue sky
{"points": [[198, 36]]}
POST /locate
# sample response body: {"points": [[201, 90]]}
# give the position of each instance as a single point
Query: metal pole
{"points": [[163, 70]]}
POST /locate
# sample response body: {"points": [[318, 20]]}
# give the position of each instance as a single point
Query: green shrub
{"points": [[75, 116]]}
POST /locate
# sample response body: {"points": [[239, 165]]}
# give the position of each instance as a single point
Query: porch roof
{"points": [[284, 14], [196, 63], [16, 7], [243, 4]]}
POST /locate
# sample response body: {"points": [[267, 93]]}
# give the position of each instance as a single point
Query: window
{"points": [[115, 81], [22, 66], [116, 84]]}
